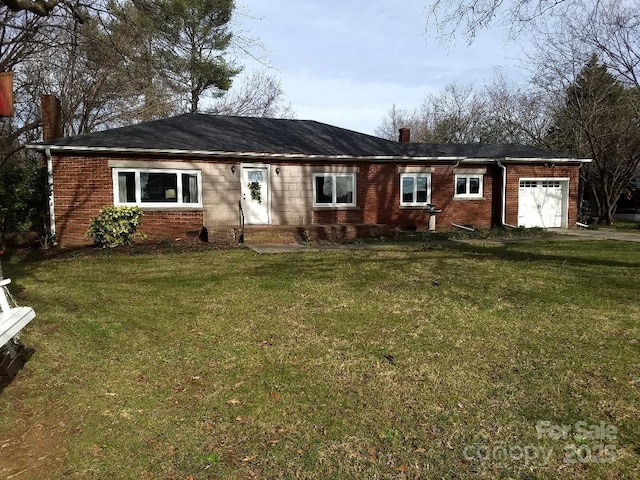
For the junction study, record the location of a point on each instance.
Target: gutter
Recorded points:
(239, 155)
(546, 160)
(289, 156)
(52, 213)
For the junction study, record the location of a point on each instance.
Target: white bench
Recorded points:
(12, 319)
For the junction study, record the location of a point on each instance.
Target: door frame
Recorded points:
(268, 183)
(564, 184)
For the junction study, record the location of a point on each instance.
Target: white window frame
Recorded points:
(165, 205)
(415, 176)
(468, 177)
(334, 203)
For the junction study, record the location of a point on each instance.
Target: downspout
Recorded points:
(580, 199)
(52, 213)
(503, 199)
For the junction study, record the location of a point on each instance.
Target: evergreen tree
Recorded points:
(193, 37)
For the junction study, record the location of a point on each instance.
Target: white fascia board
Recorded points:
(546, 160)
(241, 155)
(291, 156)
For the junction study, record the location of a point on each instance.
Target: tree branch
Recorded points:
(40, 7)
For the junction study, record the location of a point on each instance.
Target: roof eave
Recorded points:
(291, 156)
(546, 160)
(234, 155)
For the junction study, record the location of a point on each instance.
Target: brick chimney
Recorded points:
(51, 117)
(405, 135)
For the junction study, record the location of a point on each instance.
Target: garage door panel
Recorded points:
(540, 203)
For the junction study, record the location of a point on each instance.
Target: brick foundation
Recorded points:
(159, 225)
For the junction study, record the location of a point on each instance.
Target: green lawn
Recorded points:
(410, 362)
(622, 225)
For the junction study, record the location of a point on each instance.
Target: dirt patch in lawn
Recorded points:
(33, 448)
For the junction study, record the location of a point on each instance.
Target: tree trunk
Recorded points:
(606, 209)
(194, 102)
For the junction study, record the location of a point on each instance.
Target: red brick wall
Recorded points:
(515, 172)
(378, 201)
(83, 185)
(476, 212)
(328, 216)
(157, 224)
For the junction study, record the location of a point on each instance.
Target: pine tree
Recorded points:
(193, 37)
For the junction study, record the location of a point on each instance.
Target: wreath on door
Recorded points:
(256, 193)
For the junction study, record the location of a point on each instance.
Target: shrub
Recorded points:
(115, 226)
(23, 199)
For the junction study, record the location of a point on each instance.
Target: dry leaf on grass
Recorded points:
(275, 395)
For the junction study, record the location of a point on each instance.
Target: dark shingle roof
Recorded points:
(478, 150)
(220, 133)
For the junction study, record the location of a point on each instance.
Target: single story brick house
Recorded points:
(293, 177)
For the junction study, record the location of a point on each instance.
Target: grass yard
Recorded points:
(622, 225)
(413, 361)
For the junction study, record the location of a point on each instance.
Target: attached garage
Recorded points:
(543, 202)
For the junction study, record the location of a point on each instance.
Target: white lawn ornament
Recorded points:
(12, 318)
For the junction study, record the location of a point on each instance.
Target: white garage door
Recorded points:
(541, 203)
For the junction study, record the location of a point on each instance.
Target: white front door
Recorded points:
(541, 203)
(256, 198)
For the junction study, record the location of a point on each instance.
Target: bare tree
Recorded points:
(611, 29)
(471, 16)
(459, 114)
(599, 119)
(22, 34)
(260, 95)
(521, 113)
(398, 118)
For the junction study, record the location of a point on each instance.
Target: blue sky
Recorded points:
(347, 62)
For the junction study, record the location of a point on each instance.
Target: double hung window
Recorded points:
(415, 189)
(468, 186)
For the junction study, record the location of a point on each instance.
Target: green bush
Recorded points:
(115, 226)
(23, 199)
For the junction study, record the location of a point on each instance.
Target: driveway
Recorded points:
(588, 234)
